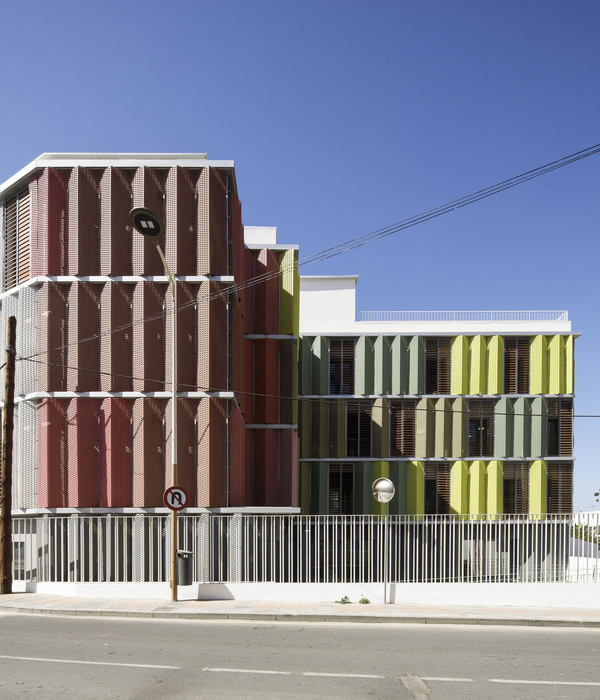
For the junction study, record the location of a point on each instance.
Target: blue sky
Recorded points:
(344, 117)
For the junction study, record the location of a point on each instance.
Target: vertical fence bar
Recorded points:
(306, 549)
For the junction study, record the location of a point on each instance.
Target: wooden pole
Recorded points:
(6, 558)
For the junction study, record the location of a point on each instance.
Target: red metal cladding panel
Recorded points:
(115, 229)
(219, 234)
(249, 382)
(260, 382)
(272, 293)
(247, 292)
(51, 336)
(249, 466)
(238, 479)
(83, 436)
(212, 454)
(186, 337)
(237, 353)
(115, 454)
(115, 337)
(288, 468)
(148, 186)
(83, 327)
(83, 242)
(186, 446)
(236, 235)
(212, 337)
(48, 217)
(148, 331)
(212, 243)
(181, 220)
(148, 446)
(203, 223)
(51, 453)
(266, 307)
(272, 374)
(266, 467)
(219, 349)
(266, 382)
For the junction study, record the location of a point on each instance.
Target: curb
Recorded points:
(302, 617)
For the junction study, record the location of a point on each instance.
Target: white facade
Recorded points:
(328, 307)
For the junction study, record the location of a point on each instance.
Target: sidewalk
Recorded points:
(35, 603)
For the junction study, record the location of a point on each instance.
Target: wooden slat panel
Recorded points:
(358, 431)
(341, 366)
(481, 428)
(10, 244)
(437, 488)
(516, 365)
(403, 428)
(438, 369)
(341, 489)
(566, 427)
(560, 487)
(515, 487)
(23, 238)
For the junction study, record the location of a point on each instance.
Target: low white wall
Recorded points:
(560, 595)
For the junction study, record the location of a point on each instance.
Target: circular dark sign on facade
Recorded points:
(146, 222)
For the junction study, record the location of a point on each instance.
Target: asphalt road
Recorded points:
(69, 657)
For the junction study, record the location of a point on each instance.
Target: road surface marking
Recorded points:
(342, 675)
(504, 680)
(447, 680)
(90, 663)
(247, 670)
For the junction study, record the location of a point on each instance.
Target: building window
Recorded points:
(16, 240)
(516, 365)
(402, 428)
(560, 427)
(358, 429)
(515, 497)
(341, 489)
(560, 487)
(341, 366)
(437, 488)
(481, 428)
(437, 365)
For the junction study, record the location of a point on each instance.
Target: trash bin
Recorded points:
(184, 568)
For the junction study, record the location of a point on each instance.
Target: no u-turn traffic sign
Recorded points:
(175, 498)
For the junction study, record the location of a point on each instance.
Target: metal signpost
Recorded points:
(383, 492)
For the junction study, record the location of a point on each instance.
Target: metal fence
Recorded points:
(310, 549)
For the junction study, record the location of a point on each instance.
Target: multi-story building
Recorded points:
(465, 412)
(94, 326)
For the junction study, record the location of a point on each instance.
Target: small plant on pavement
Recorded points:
(344, 601)
(364, 601)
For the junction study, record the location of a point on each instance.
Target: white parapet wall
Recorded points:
(559, 595)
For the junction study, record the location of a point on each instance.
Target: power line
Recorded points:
(369, 237)
(326, 400)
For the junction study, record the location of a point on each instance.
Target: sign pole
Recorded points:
(149, 224)
(385, 553)
(383, 492)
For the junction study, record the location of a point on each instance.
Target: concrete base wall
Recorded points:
(563, 595)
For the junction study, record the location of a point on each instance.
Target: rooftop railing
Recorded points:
(460, 316)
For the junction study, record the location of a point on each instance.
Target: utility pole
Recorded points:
(6, 559)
